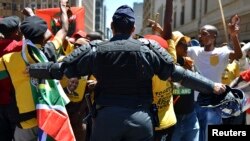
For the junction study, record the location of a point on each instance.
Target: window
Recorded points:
(205, 7)
(98, 4)
(14, 7)
(193, 9)
(174, 19)
(97, 26)
(97, 11)
(33, 5)
(97, 18)
(182, 14)
(18, 6)
(4, 5)
(1, 6)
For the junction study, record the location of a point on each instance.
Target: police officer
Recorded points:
(124, 68)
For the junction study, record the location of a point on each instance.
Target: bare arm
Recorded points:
(233, 27)
(62, 33)
(167, 27)
(166, 31)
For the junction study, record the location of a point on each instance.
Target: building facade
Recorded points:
(190, 15)
(100, 17)
(138, 9)
(89, 6)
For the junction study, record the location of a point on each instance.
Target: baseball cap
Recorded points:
(194, 42)
(33, 27)
(158, 39)
(177, 36)
(124, 14)
(9, 24)
(79, 34)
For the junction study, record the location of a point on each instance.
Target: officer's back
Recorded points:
(123, 95)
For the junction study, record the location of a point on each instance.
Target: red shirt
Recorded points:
(7, 46)
(246, 76)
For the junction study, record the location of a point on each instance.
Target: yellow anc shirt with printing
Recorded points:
(80, 90)
(14, 65)
(231, 72)
(163, 96)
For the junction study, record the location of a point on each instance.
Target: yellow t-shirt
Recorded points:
(162, 95)
(14, 64)
(230, 73)
(22, 84)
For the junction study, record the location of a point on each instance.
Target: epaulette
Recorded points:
(156, 48)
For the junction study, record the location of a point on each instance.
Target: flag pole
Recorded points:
(223, 21)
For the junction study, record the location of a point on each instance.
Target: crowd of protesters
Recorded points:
(162, 86)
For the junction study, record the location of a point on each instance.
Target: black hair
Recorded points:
(94, 35)
(123, 27)
(36, 40)
(211, 29)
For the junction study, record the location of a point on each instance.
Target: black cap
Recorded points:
(33, 27)
(9, 24)
(124, 14)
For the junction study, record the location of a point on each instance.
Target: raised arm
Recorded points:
(64, 8)
(233, 27)
(167, 27)
(166, 31)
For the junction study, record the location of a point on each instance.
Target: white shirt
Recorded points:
(210, 64)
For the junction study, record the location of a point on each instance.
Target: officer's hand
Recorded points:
(219, 88)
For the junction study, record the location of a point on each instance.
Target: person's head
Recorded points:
(123, 20)
(73, 83)
(79, 34)
(94, 36)
(35, 29)
(9, 27)
(180, 42)
(207, 35)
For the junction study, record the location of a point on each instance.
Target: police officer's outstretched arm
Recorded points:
(186, 77)
(196, 81)
(74, 65)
